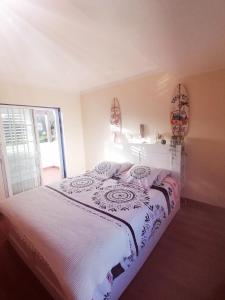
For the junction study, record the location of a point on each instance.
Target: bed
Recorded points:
(84, 242)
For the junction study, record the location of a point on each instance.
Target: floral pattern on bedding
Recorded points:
(78, 184)
(120, 197)
(156, 213)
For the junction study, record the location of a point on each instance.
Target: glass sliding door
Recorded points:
(21, 148)
(49, 144)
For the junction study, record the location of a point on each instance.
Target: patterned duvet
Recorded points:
(89, 230)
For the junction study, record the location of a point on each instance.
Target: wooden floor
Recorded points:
(187, 264)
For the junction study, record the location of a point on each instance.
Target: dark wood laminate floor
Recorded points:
(187, 264)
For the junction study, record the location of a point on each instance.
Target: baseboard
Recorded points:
(187, 202)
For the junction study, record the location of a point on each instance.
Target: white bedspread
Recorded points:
(84, 233)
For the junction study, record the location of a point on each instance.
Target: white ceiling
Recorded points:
(79, 44)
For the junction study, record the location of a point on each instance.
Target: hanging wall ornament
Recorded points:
(116, 124)
(179, 117)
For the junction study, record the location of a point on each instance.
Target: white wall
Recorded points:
(71, 113)
(144, 100)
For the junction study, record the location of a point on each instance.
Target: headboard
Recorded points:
(155, 155)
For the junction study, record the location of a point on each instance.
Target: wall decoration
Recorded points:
(179, 117)
(142, 131)
(116, 123)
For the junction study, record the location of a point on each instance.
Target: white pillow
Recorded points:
(124, 167)
(105, 170)
(141, 175)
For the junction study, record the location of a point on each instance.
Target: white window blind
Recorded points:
(21, 148)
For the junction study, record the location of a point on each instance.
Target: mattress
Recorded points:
(82, 240)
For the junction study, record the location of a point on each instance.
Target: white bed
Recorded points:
(156, 155)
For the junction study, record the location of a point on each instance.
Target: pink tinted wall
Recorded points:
(146, 100)
(205, 143)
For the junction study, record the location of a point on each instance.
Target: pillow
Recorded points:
(141, 175)
(161, 176)
(124, 167)
(105, 170)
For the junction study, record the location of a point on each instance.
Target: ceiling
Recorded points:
(79, 44)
